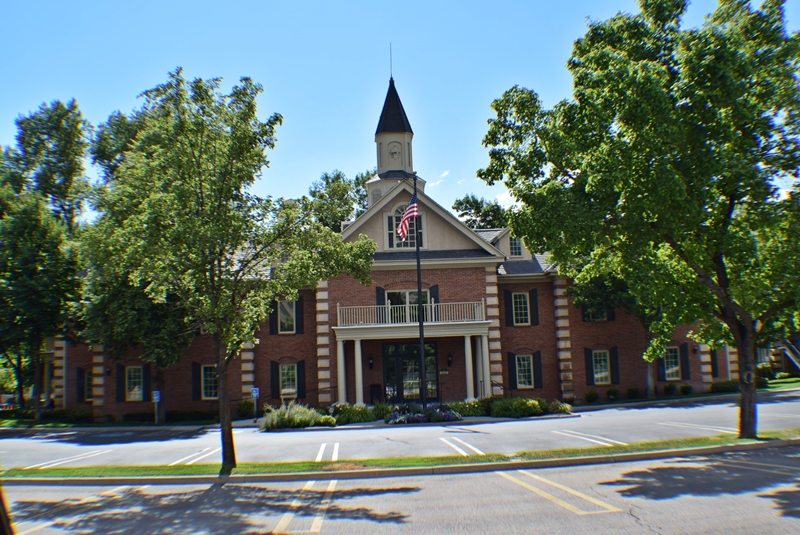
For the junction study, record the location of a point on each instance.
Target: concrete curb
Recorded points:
(399, 472)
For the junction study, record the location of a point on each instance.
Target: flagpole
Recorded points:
(423, 382)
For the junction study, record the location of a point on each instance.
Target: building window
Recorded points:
(88, 387)
(602, 374)
(286, 323)
(521, 310)
(208, 379)
(403, 306)
(394, 239)
(516, 246)
(597, 315)
(134, 381)
(288, 378)
(524, 371)
(672, 364)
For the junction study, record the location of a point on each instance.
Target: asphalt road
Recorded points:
(742, 493)
(602, 427)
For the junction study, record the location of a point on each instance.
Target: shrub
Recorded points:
(544, 405)
(686, 389)
(348, 414)
(138, 417)
(381, 411)
(559, 407)
(612, 393)
(192, 415)
(762, 382)
(515, 408)
(724, 387)
(632, 392)
(325, 420)
(74, 416)
(764, 370)
(591, 395)
(569, 400)
(404, 414)
(478, 407)
(669, 389)
(782, 375)
(291, 416)
(245, 408)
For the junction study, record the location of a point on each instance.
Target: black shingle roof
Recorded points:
(520, 267)
(432, 255)
(393, 117)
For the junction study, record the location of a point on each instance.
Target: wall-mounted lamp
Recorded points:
(694, 349)
(370, 362)
(449, 359)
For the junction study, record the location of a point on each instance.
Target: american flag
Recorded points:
(411, 211)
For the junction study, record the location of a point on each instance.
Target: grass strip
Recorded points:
(392, 462)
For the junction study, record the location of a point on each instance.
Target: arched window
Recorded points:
(393, 238)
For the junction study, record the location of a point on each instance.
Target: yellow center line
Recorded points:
(287, 517)
(550, 497)
(595, 501)
(326, 502)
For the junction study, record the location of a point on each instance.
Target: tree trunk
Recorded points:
(20, 382)
(748, 378)
(226, 428)
(36, 359)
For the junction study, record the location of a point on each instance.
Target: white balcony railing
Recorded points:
(400, 314)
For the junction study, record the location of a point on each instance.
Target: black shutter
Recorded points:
(611, 315)
(146, 382)
(120, 370)
(537, 369)
(380, 296)
(273, 318)
(301, 379)
(714, 364)
(512, 371)
(196, 381)
(419, 230)
(80, 385)
(686, 373)
(662, 370)
(614, 364)
(589, 366)
(585, 313)
(298, 316)
(534, 306)
(509, 308)
(434, 293)
(274, 380)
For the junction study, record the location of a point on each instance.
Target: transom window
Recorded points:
(134, 383)
(521, 309)
(524, 371)
(602, 374)
(286, 320)
(288, 379)
(393, 238)
(516, 246)
(208, 379)
(672, 364)
(88, 387)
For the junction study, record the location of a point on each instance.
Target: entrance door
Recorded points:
(401, 372)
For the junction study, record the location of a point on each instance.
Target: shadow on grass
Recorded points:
(728, 474)
(217, 510)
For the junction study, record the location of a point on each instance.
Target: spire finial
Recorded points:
(390, 60)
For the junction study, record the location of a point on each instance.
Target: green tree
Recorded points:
(338, 198)
(182, 220)
(662, 170)
(479, 213)
(360, 185)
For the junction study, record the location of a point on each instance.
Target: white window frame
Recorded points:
(282, 312)
(131, 392)
(527, 320)
(523, 362)
(514, 243)
(88, 385)
(284, 372)
(397, 244)
(672, 364)
(204, 376)
(601, 359)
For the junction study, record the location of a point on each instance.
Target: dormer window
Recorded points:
(516, 246)
(394, 241)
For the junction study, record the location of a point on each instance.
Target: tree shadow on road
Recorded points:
(764, 398)
(734, 473)
(217, 510)
(105, 437)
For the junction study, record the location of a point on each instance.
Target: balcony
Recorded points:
(349, 316)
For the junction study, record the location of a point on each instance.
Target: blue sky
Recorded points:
(324, 67)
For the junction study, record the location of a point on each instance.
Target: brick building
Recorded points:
(497, 321)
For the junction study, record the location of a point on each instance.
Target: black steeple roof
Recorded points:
(393, 116)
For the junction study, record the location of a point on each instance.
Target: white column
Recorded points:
(468, 359)
(487, 372)
(340, 373)
(359, 376)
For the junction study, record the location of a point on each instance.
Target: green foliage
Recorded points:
(591, 396)
(724, 387)
(478, 407)
(686, 389)
(381, 411)
(516, 408)
(349, 414)
(669, 389)
(480, 213)
(559, 407)
(612, 393)
(325, 420)
(292, 416)
(245, 408)
(73, 416)
(190, 415)
(632, 392)
(783, 375)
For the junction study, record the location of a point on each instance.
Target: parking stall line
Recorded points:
(473, 448)
(459, 450)
(321, 452)
(65, 460)
(724, 430)
(587, 439)
(179, 461)
(604, 439)
(335, 456)
(316, 526)
(203, 456)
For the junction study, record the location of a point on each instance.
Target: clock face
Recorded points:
(394, 151)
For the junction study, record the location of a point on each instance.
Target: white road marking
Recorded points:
(578, 434)
(88, 499)
(179, 461)
(587, 439)
(459, 450)
(203, 456)
(287, 517)
(65, 460)
(761, 414)
(727, 430)
(316, 526)
(473, 448)
(321, 452)
(335, 456)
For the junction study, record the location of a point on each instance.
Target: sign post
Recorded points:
(255, 392)
(156, 399)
